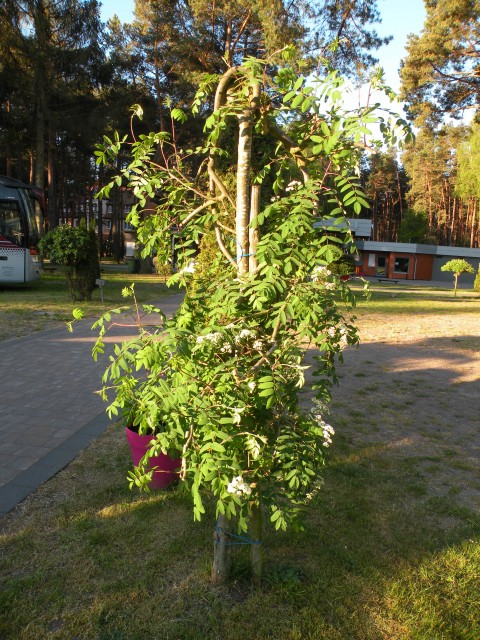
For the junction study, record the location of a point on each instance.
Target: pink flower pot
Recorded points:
(166, 468)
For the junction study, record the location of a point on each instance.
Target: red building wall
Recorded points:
(398, 266)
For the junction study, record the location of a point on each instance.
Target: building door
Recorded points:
(381, 265)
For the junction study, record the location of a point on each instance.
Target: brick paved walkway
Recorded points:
(49, 410)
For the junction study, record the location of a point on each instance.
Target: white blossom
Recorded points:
(328, 432)
(189, 268)
(239, 487)
(258, 344)
(213, 337)
(244, 334)
(320, 272)
(293, 185)
(252, 386)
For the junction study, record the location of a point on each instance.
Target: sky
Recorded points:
(399, 18)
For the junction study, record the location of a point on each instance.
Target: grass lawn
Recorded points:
(390, 549)
(46, 302)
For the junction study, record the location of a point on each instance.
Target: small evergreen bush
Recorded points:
(75, 248)
(344, 266)
(476, 284)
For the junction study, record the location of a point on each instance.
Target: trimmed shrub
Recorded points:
(74, 248)
(476, 284)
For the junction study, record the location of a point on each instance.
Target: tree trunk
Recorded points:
(39, 153)
(246, 240)
(41, 85)
(253, 230)
(222, 557)
(243, 190)
(52, 205)
(256, 551)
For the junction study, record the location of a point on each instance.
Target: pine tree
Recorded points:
(441, 68)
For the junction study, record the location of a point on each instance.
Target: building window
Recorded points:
(401, 265)
(127, 226)
(371, 259)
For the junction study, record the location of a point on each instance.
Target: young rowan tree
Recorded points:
(225, 378)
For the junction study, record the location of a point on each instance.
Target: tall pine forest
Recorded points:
(67, 79)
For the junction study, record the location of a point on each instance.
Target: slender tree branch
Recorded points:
(218, 182)
(225, 228)
(223, 86)
(239, 35)
(291, 145)
(223, 248)
(191, 215)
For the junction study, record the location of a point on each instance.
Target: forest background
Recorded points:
(67, 78)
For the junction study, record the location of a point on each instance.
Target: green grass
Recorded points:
(395, 299)
(46, 302)
(390, 549)
(374, 561)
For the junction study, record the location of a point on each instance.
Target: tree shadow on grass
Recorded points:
(372, 563)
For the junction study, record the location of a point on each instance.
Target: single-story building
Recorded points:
(401, 260)
(408, 261)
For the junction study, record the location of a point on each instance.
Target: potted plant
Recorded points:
(156, 464)
(163, 468)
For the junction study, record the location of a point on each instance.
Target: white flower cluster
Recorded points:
(293, 185)
(328, 430)
(321, 272)
(343, 338)
(189, 268)
(239, 487)
(244, 334)
(341, 334)
(214, 337)
(328, 433)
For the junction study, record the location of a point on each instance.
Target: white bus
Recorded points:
(20, 232)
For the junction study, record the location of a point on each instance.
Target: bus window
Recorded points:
(33, 232)
(12, 222)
